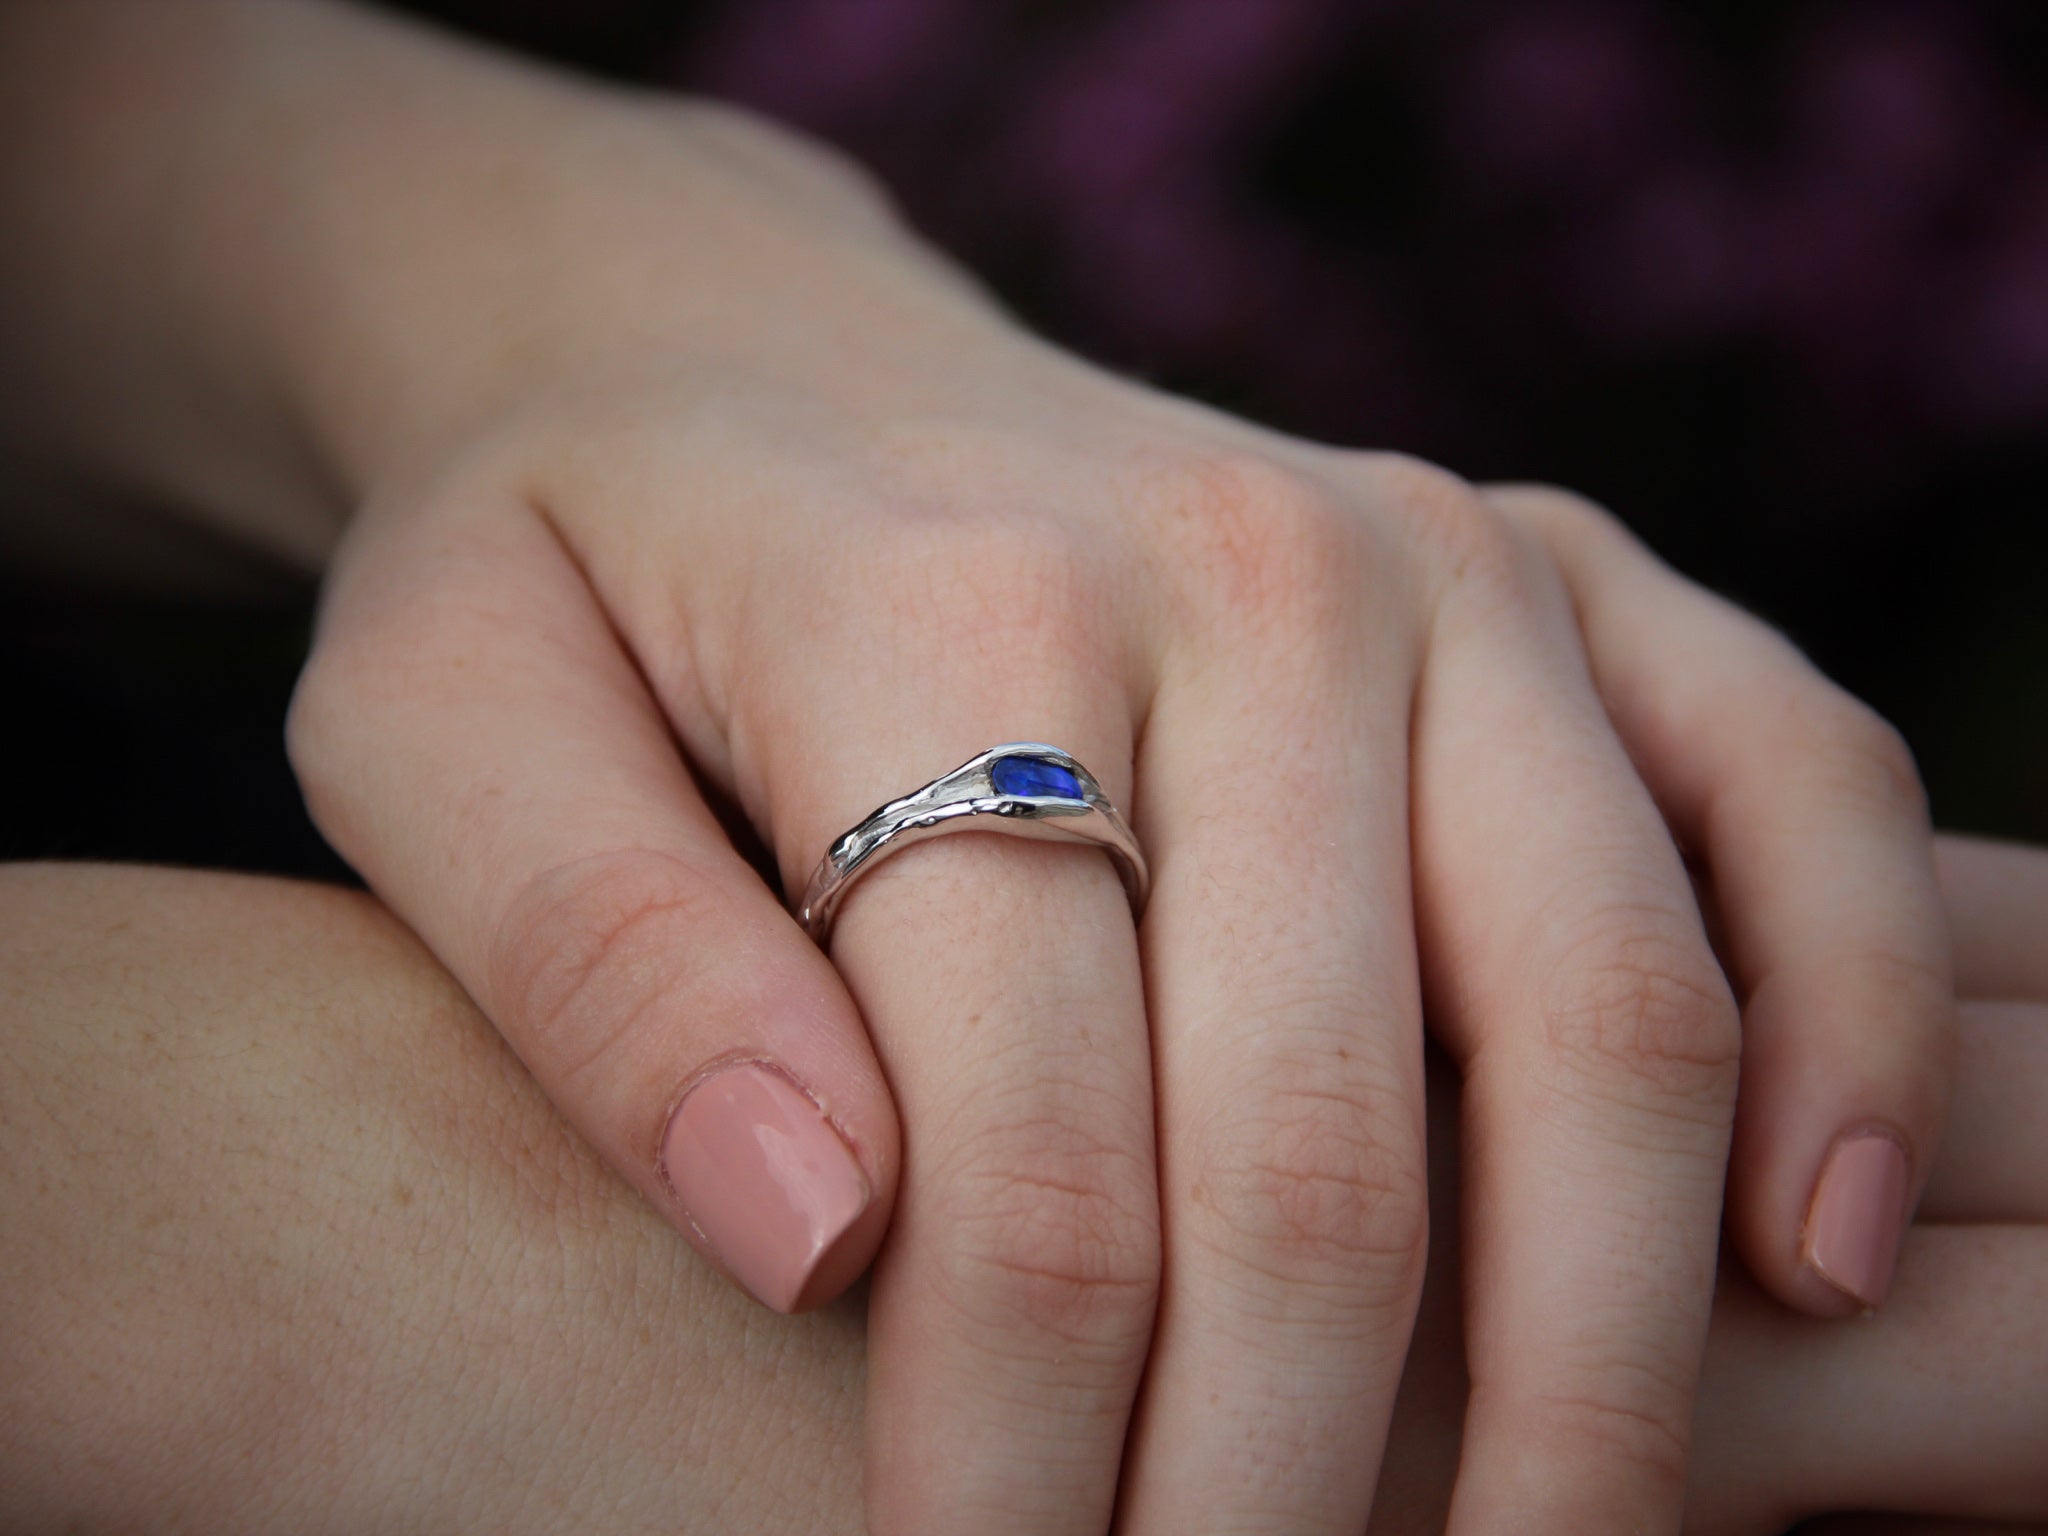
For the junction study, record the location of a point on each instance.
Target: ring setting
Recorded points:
(1025, 788)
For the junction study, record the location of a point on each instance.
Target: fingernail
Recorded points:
(763, 1176)
(1857, 1217)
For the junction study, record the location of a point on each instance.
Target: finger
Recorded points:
(1754, 1409)
(1994, 1159)
(1010, 1314)
(1567, 971)
(1997, 900)
(472, 739)
(1749, 1452)
(1809, 815)
(1938, 1404)
(1287, 1028)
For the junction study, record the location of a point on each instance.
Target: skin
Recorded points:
(669, 490)
(295, 1242)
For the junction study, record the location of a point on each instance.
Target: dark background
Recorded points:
(1769, 279)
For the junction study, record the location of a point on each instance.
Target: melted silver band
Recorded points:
(993, 792)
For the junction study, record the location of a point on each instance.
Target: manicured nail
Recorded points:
(1857, 1217)
(764, 1178)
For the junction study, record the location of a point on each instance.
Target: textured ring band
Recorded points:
(1025, 787)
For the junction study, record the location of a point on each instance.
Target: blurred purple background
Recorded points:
(1770, 279)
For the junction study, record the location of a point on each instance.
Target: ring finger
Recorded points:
(999, 979)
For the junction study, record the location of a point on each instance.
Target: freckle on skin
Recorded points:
(401, 1194)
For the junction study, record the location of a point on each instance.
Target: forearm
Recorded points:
(260, 251)
(292, 1242)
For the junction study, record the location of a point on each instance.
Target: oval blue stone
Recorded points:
(1033, 776)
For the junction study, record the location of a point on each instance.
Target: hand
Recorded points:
(832, 580)
(295, 1243)
(663, 432)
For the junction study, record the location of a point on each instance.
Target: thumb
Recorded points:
(471, 736)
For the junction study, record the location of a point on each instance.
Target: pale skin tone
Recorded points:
(296, 1243)
(651, 458)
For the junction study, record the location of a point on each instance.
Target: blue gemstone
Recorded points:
(1033, 776)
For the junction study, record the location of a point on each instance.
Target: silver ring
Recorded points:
(1026, 787)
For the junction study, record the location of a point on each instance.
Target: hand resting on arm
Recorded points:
(657, 467)
(294, 1242)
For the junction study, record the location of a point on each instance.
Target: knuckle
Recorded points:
(588, 951)
(995, 589)
(824, 174)
(1640, 1447)
(1055, 1234)
(1553, 509)
(372, 672)
(316, 712)
(1861, 756)
(1902, 983)
(1636, 1002)
(346, 675)
(1256, 542)
(1307, 1192)
(1460, 533)
(1906, 1053)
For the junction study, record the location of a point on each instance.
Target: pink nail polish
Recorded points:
(1857, 1217)
(764, 1178)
